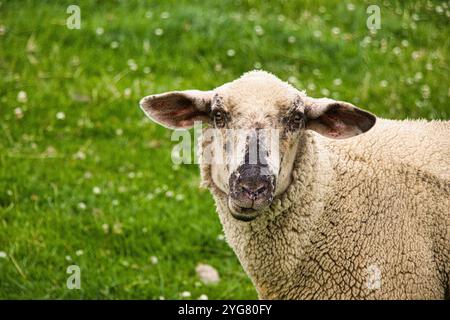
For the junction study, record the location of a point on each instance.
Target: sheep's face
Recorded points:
(255, 124)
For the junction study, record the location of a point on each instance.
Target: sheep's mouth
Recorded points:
(241, 213)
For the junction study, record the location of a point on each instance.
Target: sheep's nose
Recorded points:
(252, 186)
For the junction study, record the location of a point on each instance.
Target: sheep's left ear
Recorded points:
(336, 119)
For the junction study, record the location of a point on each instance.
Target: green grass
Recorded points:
(49, 167)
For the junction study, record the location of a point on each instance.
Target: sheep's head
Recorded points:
(258, 121)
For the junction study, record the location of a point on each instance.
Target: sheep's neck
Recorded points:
(268, 246)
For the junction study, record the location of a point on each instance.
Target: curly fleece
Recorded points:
(364, 218)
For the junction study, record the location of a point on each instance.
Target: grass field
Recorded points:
(86, 180)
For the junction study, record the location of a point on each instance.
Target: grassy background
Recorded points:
(86, 180)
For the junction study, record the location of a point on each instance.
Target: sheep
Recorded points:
(357, 207)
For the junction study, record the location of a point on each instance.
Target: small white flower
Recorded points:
(207, 274)
(203, 297)
(337, 82)
(350, 6)
(418, 76)
(149, 14)
(231, 52)
(3, 254)
(22, 97)
(147, 70)
(221, 237)
(185, 294)
(114, 45)
(117, 228)
(169, 194)
(68, 258)
(161, 298)
(335, 30)
(96, 190)
(18, 113)
(415, 55)
(80, 155)
(317, 33)
(259, 30)
(419, 103)
(99, 31)
(79, 252)
(405, 43)
(396, 51)
(325, 91)
(365, 42)
(132, 65)
(292, 80)
(311, 86)
(105, 227)
(383, 83)
(82, 206)
(165, 15)
(87, 175)
(292, 39)
(159, 32)
(179, 197)
(127, 92)
(154, 260)
(60, 115)
(425, 91)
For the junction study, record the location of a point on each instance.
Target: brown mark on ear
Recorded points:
(178, 109)
(336, 119)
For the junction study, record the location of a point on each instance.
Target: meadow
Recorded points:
(87, 180)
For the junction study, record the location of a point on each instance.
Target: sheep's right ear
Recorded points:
(178, 109)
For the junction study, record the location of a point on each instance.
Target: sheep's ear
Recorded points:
(336, 119)
(178, 109)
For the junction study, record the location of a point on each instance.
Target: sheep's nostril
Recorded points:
(261, 189)
(253, 192)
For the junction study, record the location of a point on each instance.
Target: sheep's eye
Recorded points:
(298, 118)
(219, 118)
(296, 121)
